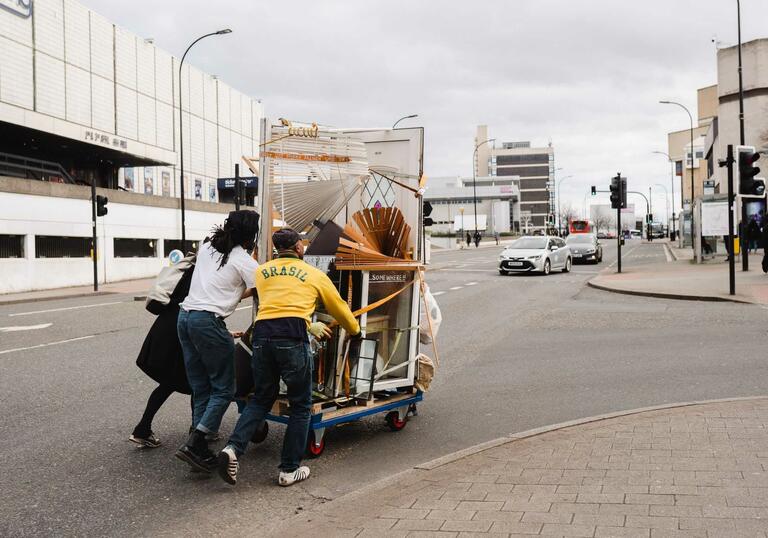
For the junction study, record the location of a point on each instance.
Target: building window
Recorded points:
(11, 246)
(53, 246)
(175, 244)
(540, 158)
(135, 248)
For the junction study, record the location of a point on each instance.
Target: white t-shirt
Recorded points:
(215, 289)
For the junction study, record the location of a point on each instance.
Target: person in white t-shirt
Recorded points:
(224, 273)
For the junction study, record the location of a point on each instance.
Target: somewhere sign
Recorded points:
(250, 182)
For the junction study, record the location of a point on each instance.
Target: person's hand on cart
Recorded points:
(236, 334)
(320, 330)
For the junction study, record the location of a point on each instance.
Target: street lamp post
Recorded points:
(181, 137)
(560, 204)
(405, 118)
(693, 246)
(474, 178)
(672, 186)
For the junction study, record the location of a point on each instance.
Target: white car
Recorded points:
(542, 254)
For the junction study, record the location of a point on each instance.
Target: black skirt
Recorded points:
(161, 357)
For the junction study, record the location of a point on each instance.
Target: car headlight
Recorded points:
(590, 251)
(534, 257)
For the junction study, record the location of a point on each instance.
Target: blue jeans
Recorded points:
(209, 358)
(290, 360)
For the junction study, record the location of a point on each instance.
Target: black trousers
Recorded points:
(154, 403)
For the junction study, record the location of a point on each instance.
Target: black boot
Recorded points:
(196, 453)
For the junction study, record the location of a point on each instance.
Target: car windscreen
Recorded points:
(529, 243)
(580, 238)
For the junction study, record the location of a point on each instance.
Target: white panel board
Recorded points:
(224, 151)
(223, 94)
(245, 116)
(165, 125)
(147, 126)
(103, 104)
(102, 47)
(76, 34)
(235, 150)
(209, 97)
(211, 150)
(164, 77)
(235, 116)
(78, 95)
(50, 86)
(196, 92)
(714, 219)
(197, 146)
(126, 106)
(15, 73)
(145, 61)
(16, 27)
(49, 27)
(125, 58)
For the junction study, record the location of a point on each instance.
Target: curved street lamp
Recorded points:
(474, 177)
(405, 118)
(181, 137)
(693, 246)
(671, 185)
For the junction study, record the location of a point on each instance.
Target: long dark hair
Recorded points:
(240, 229)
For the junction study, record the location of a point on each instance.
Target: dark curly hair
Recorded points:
(240, 229)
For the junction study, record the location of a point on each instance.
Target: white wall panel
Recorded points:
(224, 151)
(77, 30)
(16, 28)
(235, 149)
(49, 27)
(78, 95)
(245, 116)
(102, 47)
(223, 104)
(235, 104)
(50, 86)
(196, 92)
(211, 150)
(147, 127)
(126, 108)
(103, 104)
(209, 97)
(16, 86)
(125, 61)
(165, 125)
(145, 59)
(164, 77)
(197, 146)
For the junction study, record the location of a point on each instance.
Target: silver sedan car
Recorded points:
(542, 254)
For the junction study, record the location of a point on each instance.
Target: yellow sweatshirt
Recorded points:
(289, 288)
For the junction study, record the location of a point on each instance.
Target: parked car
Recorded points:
(585, 247)
(602, 235)
(636, 234)
(541, 254)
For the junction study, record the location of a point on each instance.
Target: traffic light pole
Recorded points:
(731, 200)
(237, 187)
(618, 223)
(94, 250)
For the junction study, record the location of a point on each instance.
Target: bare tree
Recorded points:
(567, 214)
(602, 221)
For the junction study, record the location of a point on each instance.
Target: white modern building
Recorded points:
(83, 100)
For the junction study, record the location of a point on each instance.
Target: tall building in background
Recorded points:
(534, 166)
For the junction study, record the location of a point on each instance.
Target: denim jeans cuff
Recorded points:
(203, 429)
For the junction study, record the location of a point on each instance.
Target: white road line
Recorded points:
(471, 284)
(455, 288)
(25, 328)
(63, 309)
(46, 345)
(243, 308)
(437, 293)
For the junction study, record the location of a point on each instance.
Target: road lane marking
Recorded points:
(243, 308)
(24, 328)
(46, 345)
(455, 288)
(438, 293)
(63, 309)
(471, 284)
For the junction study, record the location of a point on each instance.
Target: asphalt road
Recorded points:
(517, 352)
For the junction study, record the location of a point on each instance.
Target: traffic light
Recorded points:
(749, 185)
(101, 205)
(649, 218)
(623, 192)
(615, 192)
(551, 219)
(594, 190)
(427, 211)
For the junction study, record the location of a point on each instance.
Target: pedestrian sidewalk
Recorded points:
(128, 286)
(696, 470)
(684, 280)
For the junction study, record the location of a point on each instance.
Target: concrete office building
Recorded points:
(534, 166)
(83, 100)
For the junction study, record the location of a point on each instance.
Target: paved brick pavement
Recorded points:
(693, 471)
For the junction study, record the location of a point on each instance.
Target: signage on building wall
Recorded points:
(709, 187)
(21, 8)
(250, 182)
(104, 139)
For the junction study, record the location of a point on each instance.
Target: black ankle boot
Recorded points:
(196, 453)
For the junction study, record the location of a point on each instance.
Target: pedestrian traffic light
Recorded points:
(426, 212)
(101, 205)
(749, 185)
(594, 190)
(615, 192)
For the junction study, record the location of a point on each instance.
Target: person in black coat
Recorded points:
(161, 359)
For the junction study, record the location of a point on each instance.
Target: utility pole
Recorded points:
(743, 241)
(94, 250)
(731, 201)
(237, 187)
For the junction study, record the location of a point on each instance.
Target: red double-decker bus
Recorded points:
(580, 227)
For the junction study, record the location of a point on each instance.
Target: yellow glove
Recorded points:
(319, 330)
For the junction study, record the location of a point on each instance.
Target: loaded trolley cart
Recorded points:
(355, 196)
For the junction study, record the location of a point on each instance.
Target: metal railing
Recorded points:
(29, 167)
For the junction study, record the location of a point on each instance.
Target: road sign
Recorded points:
(251, 183)
(175, 256)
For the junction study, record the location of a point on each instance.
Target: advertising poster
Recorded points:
(128, 179)
(211, 191)
(166, 183)
(198, 189)
(149, 180)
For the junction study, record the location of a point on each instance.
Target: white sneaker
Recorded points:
(288, 479)
(228, 465)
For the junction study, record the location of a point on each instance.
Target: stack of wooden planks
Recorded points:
(379, 236)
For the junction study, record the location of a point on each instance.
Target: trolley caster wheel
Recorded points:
(314, 450)
(394, 421)
(260, 434)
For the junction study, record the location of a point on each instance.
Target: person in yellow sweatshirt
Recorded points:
(288, 289)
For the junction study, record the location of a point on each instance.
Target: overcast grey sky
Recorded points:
(586, 75)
